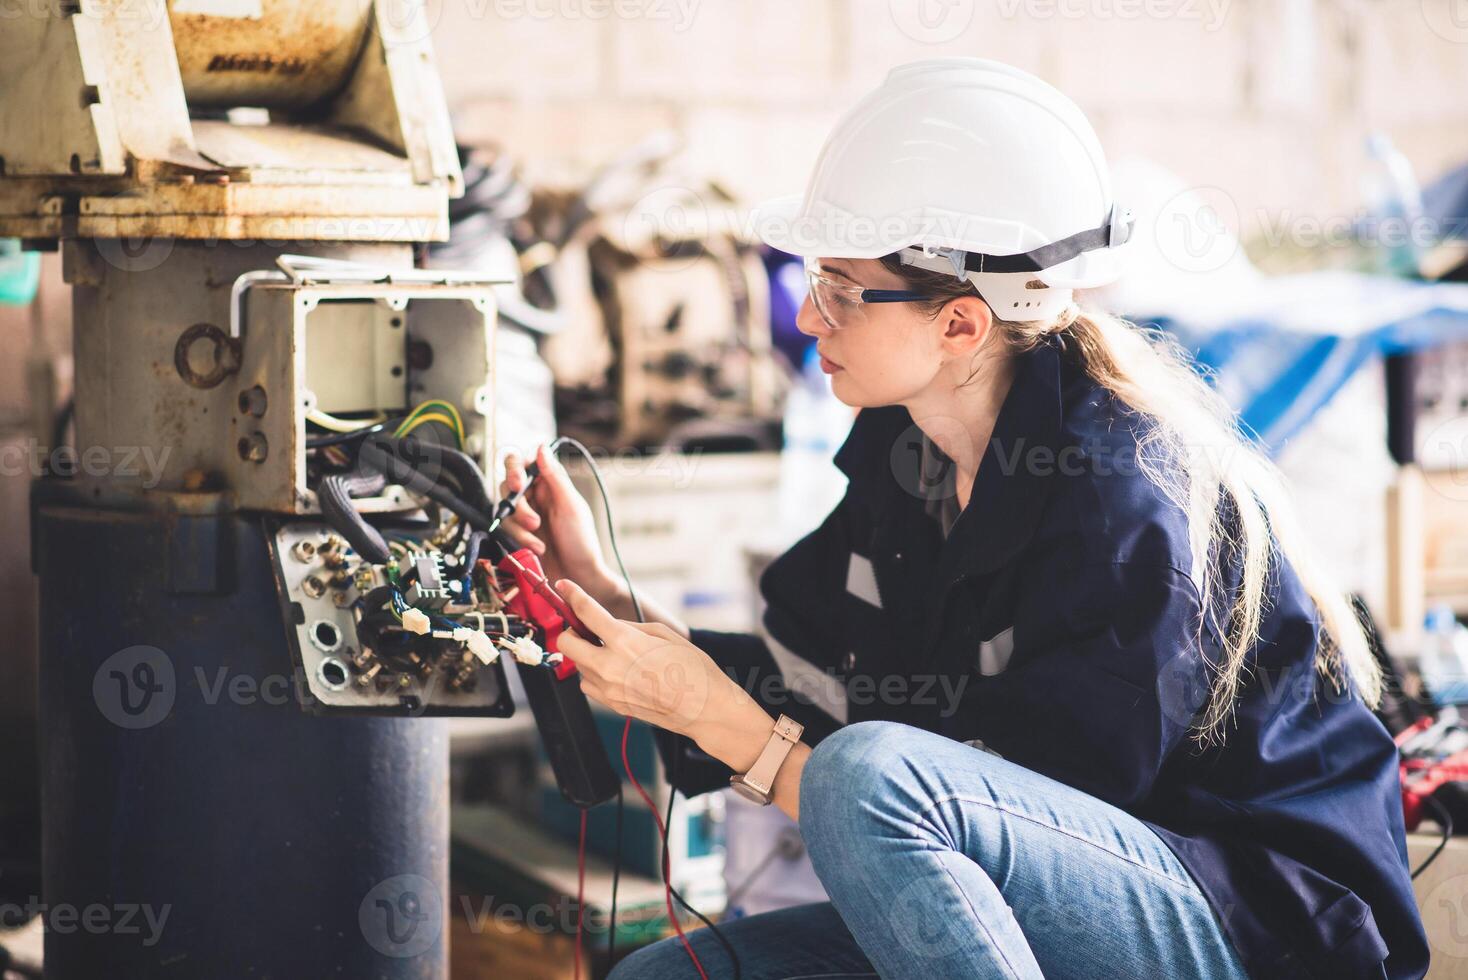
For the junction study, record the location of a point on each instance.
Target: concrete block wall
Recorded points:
(1268, 99)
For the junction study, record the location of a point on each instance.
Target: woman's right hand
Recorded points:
(555, 522)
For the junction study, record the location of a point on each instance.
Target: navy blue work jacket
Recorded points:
(1064, 606)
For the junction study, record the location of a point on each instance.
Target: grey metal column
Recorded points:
(197, 823)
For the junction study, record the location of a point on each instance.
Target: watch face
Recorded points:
(748, 792)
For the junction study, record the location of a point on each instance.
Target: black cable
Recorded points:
(616, 879)
(667, 869)
(677, 753)
(460, 466)
(334, 494)
(62, 423)
(606, 506)
(384, 455)
(336, 438)
(473, 548)
(1445, 820)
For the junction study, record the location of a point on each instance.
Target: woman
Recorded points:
(1105, 717)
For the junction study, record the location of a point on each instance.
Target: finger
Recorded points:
(589, 611)
(514, 474)
(592, 692)
(575, 646)
(526, 515)
(659, 630)
(553, 476)
(522, 537)
(600, 697)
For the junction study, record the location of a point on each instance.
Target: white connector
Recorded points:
(415, 621)
(478, 643)
(525, 650)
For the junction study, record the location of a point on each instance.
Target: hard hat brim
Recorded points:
(793, 225)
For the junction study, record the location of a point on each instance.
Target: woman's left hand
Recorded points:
(648, 671)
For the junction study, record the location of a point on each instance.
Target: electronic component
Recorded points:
(428, 588)
(412, 664)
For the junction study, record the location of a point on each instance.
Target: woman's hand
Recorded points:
(555, 522)
(650, 672)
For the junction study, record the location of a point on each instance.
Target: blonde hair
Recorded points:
(1194, 453)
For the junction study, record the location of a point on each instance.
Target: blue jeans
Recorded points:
(942, 860)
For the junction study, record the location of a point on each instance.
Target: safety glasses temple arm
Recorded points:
(893, 296)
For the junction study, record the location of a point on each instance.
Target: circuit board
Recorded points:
(323, 588)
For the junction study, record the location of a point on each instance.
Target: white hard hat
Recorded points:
(966, 166)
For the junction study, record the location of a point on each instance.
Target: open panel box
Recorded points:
(358, 350)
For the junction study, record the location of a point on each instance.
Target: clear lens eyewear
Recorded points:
(842, 304)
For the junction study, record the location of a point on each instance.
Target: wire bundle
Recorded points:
(448, 477)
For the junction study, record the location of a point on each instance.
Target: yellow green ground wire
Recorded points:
(433, 410)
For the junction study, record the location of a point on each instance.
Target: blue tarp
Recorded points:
(1281, 362)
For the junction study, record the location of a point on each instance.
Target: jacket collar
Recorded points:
(882, 460)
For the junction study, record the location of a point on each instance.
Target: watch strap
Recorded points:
(761, 776)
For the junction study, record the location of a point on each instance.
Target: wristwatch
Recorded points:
(757, 784)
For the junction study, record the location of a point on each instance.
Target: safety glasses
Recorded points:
(841, 303)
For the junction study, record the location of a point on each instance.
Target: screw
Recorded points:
(253, 401)
(253, 448)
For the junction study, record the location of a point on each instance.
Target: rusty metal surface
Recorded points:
(137, 315)
(338, 211)
(220, 359)
(360, 111)
(293, 56)
(130, 307)
(284, 153)
(458, 321)
(139, 87)
(45, 127)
